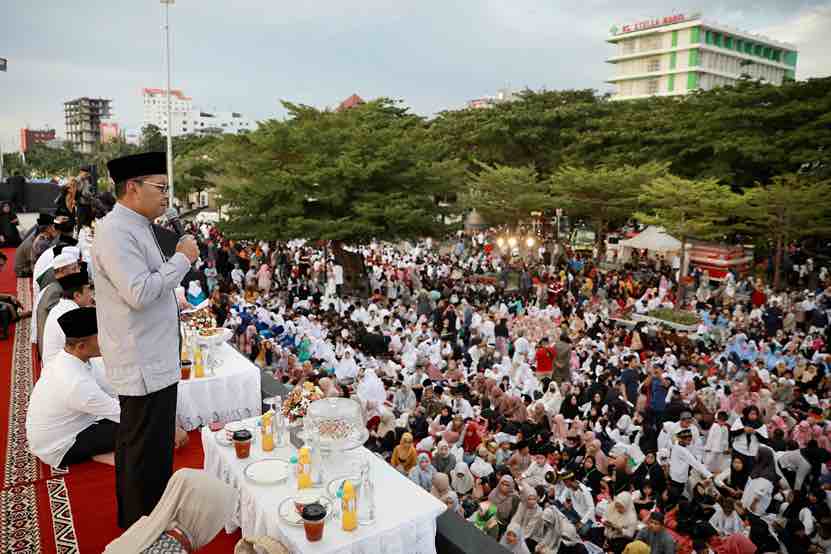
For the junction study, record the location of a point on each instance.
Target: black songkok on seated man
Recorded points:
(79, 324)
(74, 281)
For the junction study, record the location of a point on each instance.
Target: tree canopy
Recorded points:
(350, 175)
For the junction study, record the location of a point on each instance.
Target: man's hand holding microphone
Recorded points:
(187, 246)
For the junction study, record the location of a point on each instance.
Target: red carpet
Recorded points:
(53, 512)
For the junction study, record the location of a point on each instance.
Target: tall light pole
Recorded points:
(167, 4)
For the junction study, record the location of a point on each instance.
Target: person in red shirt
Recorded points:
(545, 358)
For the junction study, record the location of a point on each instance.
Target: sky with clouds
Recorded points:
(247, 55)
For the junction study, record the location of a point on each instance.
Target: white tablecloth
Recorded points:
(405, 513)
(232, 394)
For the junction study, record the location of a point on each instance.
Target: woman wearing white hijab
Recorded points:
(195, 506)
(514, 540)
(557, 531)
(195, 296)
(529, 516)
(461, 479)
(346, 368)
(621, 522)
(552, 399)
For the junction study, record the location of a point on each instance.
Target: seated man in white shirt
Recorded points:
(77, 293)
(70, 419)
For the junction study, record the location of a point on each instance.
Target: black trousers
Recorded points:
(144, 452)
(98, 438)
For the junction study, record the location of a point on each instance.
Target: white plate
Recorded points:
(269, 471)
(288, 513)
(222, 438)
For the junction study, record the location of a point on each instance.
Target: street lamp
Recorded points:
(530, 242)
(167, 4)
(512, 242)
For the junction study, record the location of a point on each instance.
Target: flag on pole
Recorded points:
(3, 64)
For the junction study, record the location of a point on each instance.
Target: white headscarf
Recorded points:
(629, 518)
(520, 547)
(193, 501)
(461, 479)
(194, 288)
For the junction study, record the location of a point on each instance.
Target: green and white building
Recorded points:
(680, 53)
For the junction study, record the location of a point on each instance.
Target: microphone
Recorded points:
(172, 217)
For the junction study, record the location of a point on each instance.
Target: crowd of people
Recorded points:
(518, 392)
(516, 389)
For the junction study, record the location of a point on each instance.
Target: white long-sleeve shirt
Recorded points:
(535, 474)
(792, 460)
(680, 461)
(65, 401)
(726, 525)
(54, 338)
(759, 490)
(581, 501)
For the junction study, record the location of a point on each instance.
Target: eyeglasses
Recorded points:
(161, 187)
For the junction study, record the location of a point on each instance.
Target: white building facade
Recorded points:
(187, 120)
(678, 54)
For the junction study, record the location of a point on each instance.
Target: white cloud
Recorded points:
(809, 31)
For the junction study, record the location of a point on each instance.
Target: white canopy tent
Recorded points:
(653, 238)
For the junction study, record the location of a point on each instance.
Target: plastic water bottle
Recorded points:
(293, 467)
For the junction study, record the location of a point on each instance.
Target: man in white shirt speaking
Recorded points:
(70, 419)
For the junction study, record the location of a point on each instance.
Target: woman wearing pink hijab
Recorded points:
(264, 279)
(558, 428)
(802, 433)
(601, 462)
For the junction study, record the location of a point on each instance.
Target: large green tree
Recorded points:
(350, 175)
(193, 165)
(687, 209)
(504, 194)
(152, 139)
(532, 130)
(45, 161)
(790, 207)
(739, 134)
(606, 195)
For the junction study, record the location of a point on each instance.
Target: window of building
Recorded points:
(777, 55)
(717, 39)
(757, 50)
(728, 42)
(652, 86)
(653, 64)
(708, 37)
(651, 43)
(739, 44)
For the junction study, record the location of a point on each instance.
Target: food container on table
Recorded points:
(338, 422)
(242, 443)
(186, 367)
(314, 520)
